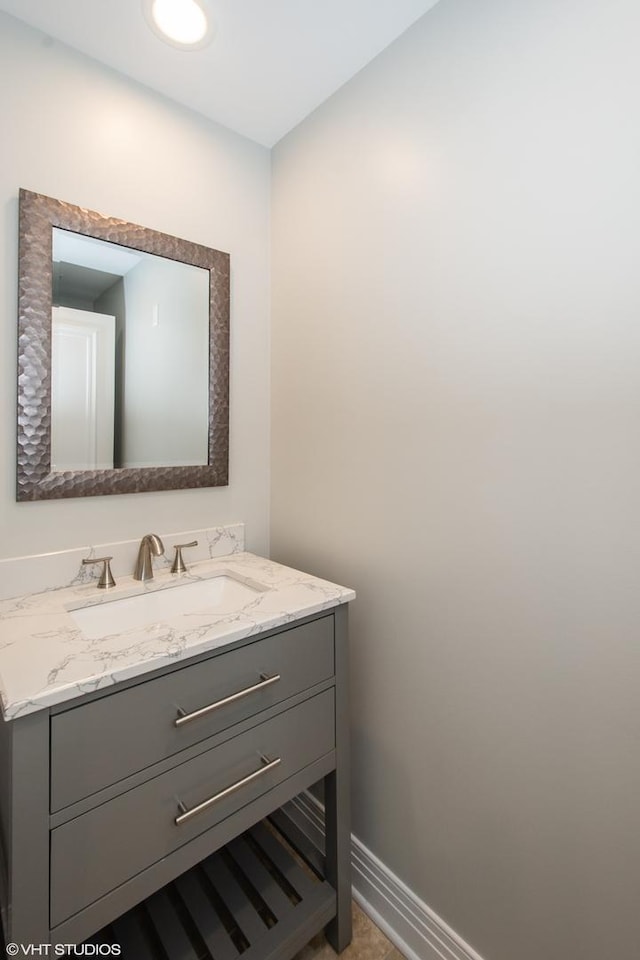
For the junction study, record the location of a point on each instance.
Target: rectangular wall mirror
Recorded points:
(123, 356)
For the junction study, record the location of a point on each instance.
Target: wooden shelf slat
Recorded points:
(188, 900)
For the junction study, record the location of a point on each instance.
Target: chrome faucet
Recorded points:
(151, 544)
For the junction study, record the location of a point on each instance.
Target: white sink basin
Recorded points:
(217, 595)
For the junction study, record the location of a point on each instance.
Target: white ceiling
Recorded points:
(270, 64)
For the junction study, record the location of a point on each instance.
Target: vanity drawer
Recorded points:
(100, 743)
(103, 848)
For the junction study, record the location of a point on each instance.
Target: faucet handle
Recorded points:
(106, 577)
(178, 562)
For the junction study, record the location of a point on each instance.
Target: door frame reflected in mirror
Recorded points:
(35, 479)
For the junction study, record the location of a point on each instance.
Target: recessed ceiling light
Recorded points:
(182, 23)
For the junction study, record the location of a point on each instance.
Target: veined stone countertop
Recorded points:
(46, 659)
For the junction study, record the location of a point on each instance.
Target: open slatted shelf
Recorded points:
(252, 899)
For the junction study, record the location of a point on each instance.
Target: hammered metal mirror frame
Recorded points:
(38, 216)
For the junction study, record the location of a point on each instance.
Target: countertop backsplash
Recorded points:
(64, 568)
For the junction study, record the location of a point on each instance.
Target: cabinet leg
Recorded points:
(337, 798)
(338, 858)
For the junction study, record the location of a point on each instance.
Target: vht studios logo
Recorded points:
(63, 950)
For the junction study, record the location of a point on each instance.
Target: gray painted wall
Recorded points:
(79, 132)
(456, 433)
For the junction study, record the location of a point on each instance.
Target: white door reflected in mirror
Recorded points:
(82, 389)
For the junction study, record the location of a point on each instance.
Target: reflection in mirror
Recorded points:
(136, 396)
(123, 356)
(83, 354)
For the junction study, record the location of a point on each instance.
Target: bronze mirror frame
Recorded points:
(35, 481)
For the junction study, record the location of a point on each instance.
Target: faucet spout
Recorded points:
(150, 545)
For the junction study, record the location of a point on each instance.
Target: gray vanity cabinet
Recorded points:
(108, 798)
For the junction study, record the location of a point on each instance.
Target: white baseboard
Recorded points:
(412, 927)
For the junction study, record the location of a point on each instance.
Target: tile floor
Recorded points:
(368, 943)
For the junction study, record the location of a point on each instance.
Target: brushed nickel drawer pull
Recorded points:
(186, 814)
(265, 681)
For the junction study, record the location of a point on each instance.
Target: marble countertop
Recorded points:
(46, 659)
